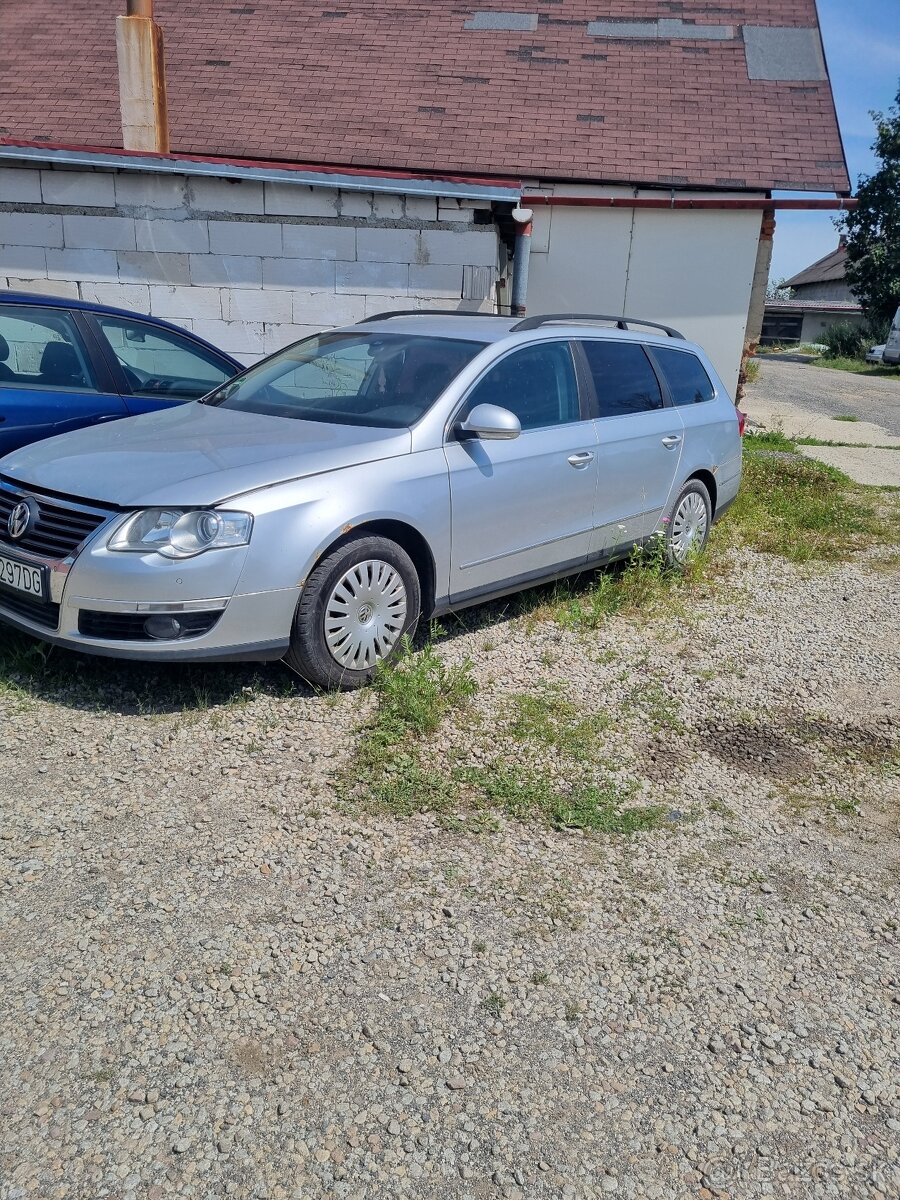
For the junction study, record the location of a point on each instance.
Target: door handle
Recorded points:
(671, 441)
(581, 459)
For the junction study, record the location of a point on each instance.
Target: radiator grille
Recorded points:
(60, 528)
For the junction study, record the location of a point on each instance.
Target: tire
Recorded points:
(688, 523)
(355, 608)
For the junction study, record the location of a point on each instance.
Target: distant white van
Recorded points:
(892, 345)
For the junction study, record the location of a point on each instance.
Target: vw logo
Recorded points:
(21, 519)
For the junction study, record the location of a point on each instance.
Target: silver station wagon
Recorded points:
(319, 505)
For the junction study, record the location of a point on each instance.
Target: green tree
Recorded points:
(779, 290)
(873, 229)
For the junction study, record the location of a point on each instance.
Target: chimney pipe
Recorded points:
(142, 79)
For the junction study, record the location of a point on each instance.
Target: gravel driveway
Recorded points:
(821, 390)
(220, 979)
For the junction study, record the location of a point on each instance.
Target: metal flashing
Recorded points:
(666, 28)
(783, 53)
(518, 22)
(461, 187)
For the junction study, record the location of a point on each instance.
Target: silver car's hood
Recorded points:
(193, 455)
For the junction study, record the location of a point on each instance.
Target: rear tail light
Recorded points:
(742, 421)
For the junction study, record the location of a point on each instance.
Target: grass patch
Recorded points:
(845, 417)
(641, 583)
(804, 510)
(770, 439)
(494, 1005)
(419, 694)
(416, 693)
(550, 719)
(774, 439)
(522, 794)
(655, 706)
(857, 367)
(810, 441)
(799, 804)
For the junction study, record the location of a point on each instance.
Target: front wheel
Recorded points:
(687, 527)
(356, 606)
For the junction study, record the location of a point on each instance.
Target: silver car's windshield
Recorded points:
(382, 379)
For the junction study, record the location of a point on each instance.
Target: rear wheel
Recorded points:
(687, 528)
(356, 606)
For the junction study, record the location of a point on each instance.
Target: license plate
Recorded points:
(22, 578)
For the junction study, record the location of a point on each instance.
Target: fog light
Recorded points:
(161, 628)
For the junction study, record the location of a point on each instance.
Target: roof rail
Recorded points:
(423, 312)
(578, 318)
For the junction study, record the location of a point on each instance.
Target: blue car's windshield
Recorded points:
(383, 379)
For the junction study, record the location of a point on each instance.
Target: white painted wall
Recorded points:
(815, 324)
(250, 266)
(691, 270)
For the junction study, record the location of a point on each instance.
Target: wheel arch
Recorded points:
(709, 482)
(407, 537)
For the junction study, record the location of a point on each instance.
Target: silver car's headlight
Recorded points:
(179, 534)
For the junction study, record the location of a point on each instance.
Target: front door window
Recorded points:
(158, 362)
(537, 384)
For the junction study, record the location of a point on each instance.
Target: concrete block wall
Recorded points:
(251, 266)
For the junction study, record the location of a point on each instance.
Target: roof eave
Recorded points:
(461, 187)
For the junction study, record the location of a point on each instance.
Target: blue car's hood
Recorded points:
(193, 455)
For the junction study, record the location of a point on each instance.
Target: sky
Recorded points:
(862, 47)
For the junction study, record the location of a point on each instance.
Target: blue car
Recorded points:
(67, 363)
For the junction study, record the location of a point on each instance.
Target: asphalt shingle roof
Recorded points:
(830, 269)
(645, 100)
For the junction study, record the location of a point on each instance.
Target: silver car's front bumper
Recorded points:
(234, 637)
(98, 601)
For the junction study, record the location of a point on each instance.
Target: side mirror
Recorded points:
(490, 423)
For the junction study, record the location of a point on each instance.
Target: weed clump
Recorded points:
(420, 693)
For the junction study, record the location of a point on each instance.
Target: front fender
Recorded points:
(296, 523)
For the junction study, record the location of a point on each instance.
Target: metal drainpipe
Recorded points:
(521, 254)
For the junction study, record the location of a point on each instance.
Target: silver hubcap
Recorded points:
(688, 525)
(365, 614)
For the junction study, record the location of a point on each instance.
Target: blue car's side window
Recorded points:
(40, 348)
(157, 362)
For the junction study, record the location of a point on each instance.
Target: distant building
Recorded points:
(821, 298)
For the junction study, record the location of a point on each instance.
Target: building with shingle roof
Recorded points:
(646, 136)
(820, 297)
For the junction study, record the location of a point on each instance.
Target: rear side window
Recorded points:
(687, 379)
(624, 380)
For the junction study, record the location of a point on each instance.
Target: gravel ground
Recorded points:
(220, 979)
(819, 390)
